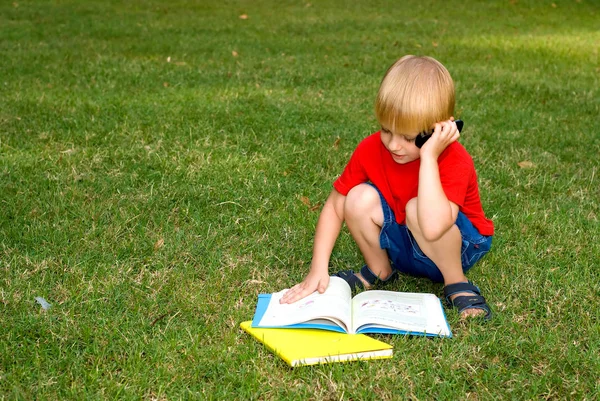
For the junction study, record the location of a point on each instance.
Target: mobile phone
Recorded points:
(424, 136)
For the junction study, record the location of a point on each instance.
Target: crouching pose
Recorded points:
(411, 207)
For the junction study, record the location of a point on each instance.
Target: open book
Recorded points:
(370, 311)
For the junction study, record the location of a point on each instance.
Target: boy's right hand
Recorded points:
(444, 133)
(313, 282)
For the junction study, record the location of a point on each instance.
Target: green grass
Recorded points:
(156, 159)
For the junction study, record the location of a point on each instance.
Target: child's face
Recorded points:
(401, 146)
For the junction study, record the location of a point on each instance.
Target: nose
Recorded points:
(395, 143)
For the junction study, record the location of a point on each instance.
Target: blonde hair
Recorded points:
(415, 93)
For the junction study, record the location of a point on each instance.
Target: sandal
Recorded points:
(355, 283)
(463, 302)
(349, 277)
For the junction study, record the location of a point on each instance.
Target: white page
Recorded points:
(402, 311)
(333, 304)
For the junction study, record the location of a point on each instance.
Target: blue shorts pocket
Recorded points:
(474, 245)
(473, 250)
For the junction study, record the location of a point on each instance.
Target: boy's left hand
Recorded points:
(444, 134)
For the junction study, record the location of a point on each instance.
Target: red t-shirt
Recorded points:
(399, 183)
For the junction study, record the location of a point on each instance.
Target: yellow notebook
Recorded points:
(312, 346)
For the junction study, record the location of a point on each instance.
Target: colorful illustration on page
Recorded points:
(391, 306)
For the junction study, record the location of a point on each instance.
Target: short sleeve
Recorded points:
(354, 173)
(456, 171)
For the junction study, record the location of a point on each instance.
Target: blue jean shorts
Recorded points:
(407, 257)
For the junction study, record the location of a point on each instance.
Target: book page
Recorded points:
(334, 305)
(405, 311)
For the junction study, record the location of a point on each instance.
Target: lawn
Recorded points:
(163, 162)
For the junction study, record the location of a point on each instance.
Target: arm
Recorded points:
(327, 231)
(435, 213)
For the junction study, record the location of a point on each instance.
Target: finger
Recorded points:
(287, 298)
(284, 298)
(454, 126)
(299, 292)
(449, 128)
(323, 284)
(296, 297)
(446, 127)
(455, 130)
(287, 295)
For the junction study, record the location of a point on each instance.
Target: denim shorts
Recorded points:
(407, 257)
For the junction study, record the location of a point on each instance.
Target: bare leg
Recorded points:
(364, 218)
(444, 252)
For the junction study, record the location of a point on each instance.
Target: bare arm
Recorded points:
(435, 213)
(327, 231)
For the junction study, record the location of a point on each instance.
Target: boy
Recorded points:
(409, 209)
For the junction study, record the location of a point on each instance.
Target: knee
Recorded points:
(411, 216)
(429, 234)
(360, 201)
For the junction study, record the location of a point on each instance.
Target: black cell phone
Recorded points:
(424, 136)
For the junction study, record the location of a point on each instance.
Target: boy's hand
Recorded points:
(444, 134)
(313, 282)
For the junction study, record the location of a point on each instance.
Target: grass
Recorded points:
(161, 163)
